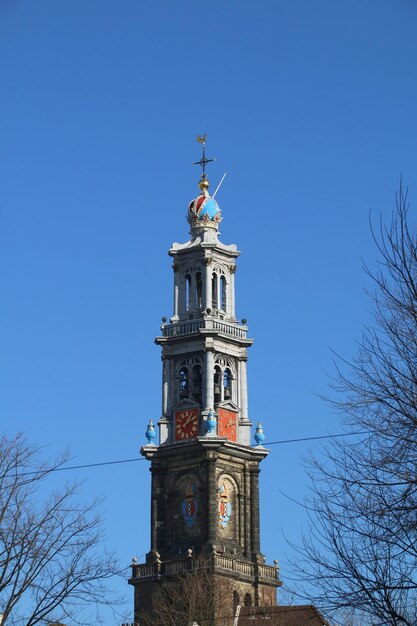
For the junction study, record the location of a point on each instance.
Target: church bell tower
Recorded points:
(205, 472)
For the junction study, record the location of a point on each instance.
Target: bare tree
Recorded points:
(197, 595)
(52, 563)
(360, 551)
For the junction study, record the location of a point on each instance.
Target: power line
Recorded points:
(269, 443)
(43, 473)
(359, 432)
(72, 467)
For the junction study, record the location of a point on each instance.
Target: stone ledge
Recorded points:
(215, 563)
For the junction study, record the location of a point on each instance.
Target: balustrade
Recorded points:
(268, 571)
(173, 568)
(191, 327)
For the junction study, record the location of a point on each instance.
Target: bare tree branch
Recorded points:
(52, 561)
(360, 549)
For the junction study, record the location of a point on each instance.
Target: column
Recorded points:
(231, 303)
(176, 293)
(165, 384)
(243, 385)
(193, 299)
(254, 506)
(171, 391)
(212, 504)
(154, 510)
(207, 284)
(246, 512)
(208, 396)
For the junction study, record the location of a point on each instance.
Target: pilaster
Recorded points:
(175, 316)
(208, 391)
(207, 283)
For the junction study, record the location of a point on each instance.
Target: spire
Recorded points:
(203, 211)
(204, 183)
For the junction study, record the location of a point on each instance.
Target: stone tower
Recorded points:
(205, 487)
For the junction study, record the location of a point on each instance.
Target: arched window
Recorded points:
(184, 383)
(198, 291)
(197, 383)
(227, 384)
(187, 292)
(248, 599)
(223, 293)
(214, 296)
(236, 601)
(217, 385)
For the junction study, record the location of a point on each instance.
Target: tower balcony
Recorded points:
(218, 563)
(205, 326)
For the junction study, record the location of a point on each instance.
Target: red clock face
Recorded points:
(186, 424)
(227, 424)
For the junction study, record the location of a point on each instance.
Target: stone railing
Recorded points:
(268, 571)
(224, 328)
(218, 561)
(182, 328)
(227, 562)
(145, 570)
(190, 327)
(172, 568)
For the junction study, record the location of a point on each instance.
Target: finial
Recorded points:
(210, 423)
(259, 434)
(150, 433)
(203, 183)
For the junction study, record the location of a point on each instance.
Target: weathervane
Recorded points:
(204, 160)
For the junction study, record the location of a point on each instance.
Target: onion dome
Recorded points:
(203, 211)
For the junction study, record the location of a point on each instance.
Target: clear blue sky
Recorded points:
(311, 109)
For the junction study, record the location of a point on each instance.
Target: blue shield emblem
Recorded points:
(189, 506)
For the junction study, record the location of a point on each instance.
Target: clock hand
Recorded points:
(190, 419)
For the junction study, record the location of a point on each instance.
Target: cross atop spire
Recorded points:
(204, 160)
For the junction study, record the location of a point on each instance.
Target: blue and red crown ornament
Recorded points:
(204, 211)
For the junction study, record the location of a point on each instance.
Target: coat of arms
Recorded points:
(225, 506)
(189, 506)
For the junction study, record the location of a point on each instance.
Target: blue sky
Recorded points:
(311, 109)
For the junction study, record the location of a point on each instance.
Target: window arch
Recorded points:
(187, 292)
(223, 293)
(227, 384)
(236, 601)
(197, 384)
(184, 386)
(248, 599)
(217, 384)
(198, 290)
(214, 291)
